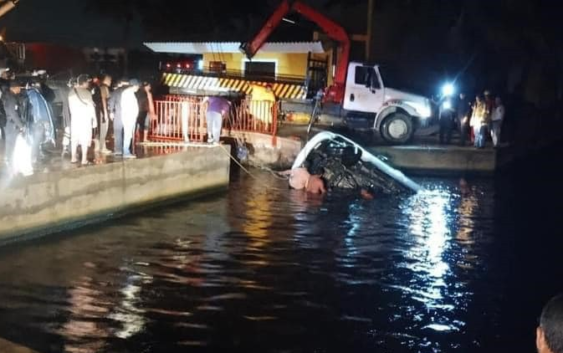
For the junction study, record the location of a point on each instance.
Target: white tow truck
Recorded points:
(358, 91)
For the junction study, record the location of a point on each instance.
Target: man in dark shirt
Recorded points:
(14, 123)
(463, 113)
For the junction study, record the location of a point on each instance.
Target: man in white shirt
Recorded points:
(496, 121)
(83, 118)
(129, 113)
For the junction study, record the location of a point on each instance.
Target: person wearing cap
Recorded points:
(129, 113)
(83, 118)
(14, 123)
(549, 334)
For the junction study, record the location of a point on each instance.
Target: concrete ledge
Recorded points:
(263, 151)
(439, 159)
(46, 203)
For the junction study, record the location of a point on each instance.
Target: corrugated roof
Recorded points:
(232, 47)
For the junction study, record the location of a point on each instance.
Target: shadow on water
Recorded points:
(263, 268)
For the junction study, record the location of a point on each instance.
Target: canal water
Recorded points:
(262, 268)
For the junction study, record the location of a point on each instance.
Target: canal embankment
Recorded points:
(57, 200)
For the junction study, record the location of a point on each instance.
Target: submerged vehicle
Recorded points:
(345, 165)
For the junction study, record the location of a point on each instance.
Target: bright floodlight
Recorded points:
(448, 89)
(447, 105)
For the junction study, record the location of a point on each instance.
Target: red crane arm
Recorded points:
(331, 28)
(252, 47)
(334, 31)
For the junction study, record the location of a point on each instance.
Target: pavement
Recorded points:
(53, 161)
(424, 138)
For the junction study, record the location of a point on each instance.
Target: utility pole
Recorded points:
(369, 30)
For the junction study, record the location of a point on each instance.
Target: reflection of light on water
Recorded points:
(86, 308)
(354, 222)
(428, 221)
(128, 313)
(258, 217)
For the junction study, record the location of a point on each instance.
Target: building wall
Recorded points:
(286, 64)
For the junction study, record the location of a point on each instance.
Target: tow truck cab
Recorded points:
(396, 114)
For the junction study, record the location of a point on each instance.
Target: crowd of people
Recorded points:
(474, 120)
(95, 107)
(92, 107)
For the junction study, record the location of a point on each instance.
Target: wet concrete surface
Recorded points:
(54, 160)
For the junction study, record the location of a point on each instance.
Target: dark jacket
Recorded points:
(463, 109)
(14, 121)
(114, 103)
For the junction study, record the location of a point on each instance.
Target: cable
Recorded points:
(246, 170)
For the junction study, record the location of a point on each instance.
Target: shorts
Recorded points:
(143, 121)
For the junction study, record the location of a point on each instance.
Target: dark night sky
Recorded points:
(69, 21)
(64, 21)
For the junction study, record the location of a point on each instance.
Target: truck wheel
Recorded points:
(397, 128)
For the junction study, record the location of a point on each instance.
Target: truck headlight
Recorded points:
(448, 90)
(425, 112)
(447, 105)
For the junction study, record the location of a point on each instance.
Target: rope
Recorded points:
(252, 175)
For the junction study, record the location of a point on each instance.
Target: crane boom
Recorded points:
(335, 93)
(7, 6)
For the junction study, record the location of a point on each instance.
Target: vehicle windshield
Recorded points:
(393, 78)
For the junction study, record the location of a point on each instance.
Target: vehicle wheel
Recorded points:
(397, 128)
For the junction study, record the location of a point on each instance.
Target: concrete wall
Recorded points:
(438, 160)
(47, 202)
(263, 152)
(287, 64)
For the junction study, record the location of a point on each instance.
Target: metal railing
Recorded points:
(180, 119)
(183, 118)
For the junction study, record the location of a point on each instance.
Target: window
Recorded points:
(217, 66)
(261, 69)
(365, 76)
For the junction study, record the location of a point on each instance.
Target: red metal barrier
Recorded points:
(181, 118)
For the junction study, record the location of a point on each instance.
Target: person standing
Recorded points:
(63, 94)
(479, 121)
(496, 121)
(463, 110)
(14, 123)
(146, 111)
(102, 95)
(446, 121)
(83, 118)
(114, 107)
(217, 108)
(129, 114)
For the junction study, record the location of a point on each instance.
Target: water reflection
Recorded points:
(429, 217)
(128, 312)
(263, 269)
(82, 331)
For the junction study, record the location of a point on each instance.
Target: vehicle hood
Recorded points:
(391, 94)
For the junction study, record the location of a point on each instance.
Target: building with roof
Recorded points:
(288, 61)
